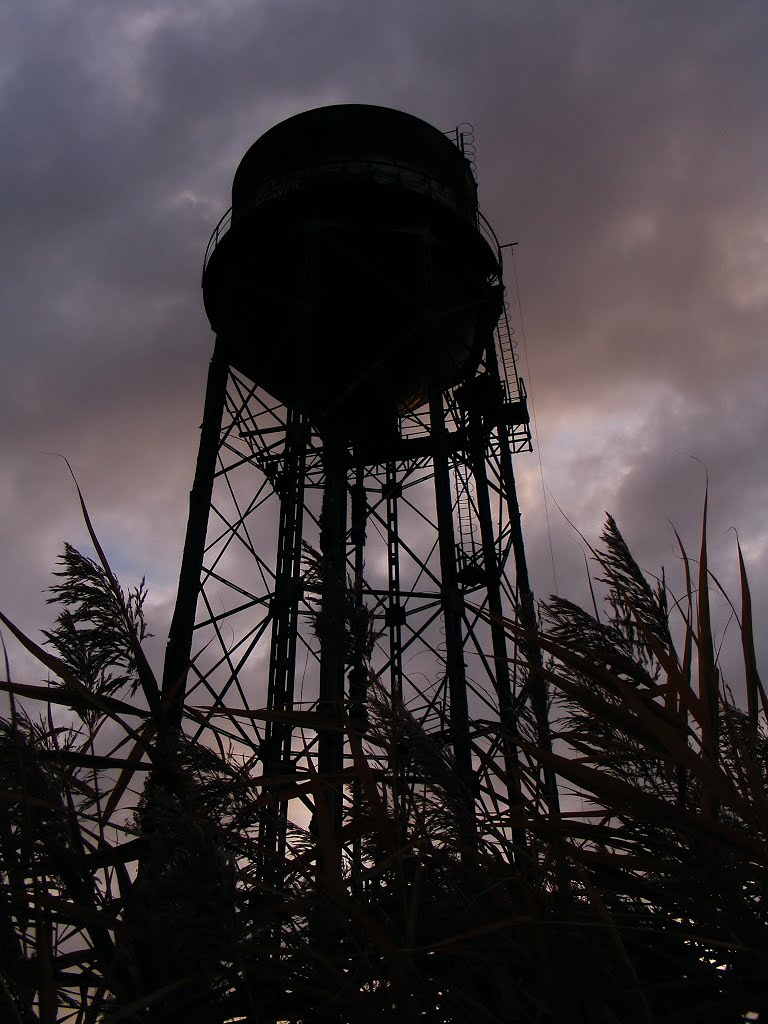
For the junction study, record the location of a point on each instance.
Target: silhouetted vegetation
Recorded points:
(136, 885)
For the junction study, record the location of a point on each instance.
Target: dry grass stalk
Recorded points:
(134, 885)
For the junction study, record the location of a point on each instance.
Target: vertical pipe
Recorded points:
(395, 612)
(331, 630)
(358, 675)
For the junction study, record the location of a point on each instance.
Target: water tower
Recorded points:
(353, 520)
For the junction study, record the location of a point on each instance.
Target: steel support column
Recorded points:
(276, 751)
(179, 648)
(452, 604)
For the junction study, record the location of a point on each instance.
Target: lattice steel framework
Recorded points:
(310, 575)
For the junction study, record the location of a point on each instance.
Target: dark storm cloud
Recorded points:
(634, 194)
(623, 145)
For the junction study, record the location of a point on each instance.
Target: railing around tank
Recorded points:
(485, 229)
(378, 171)
(216, 235)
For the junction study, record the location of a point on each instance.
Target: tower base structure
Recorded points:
(336, 600)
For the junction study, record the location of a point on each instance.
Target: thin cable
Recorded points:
(533, 414)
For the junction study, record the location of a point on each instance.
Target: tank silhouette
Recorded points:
(353, 277)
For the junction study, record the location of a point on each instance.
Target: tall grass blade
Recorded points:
(755, 688)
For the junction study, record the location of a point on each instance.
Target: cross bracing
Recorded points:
(316, 556)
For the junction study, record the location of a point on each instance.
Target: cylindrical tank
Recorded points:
(353, 276)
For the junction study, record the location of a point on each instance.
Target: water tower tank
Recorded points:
(353, 276)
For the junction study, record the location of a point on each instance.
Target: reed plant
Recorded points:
(136, 885)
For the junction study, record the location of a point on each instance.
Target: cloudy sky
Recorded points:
(622, 143)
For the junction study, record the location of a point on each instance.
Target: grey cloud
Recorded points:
(621, 143)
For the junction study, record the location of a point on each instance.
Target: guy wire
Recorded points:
(533, 416)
